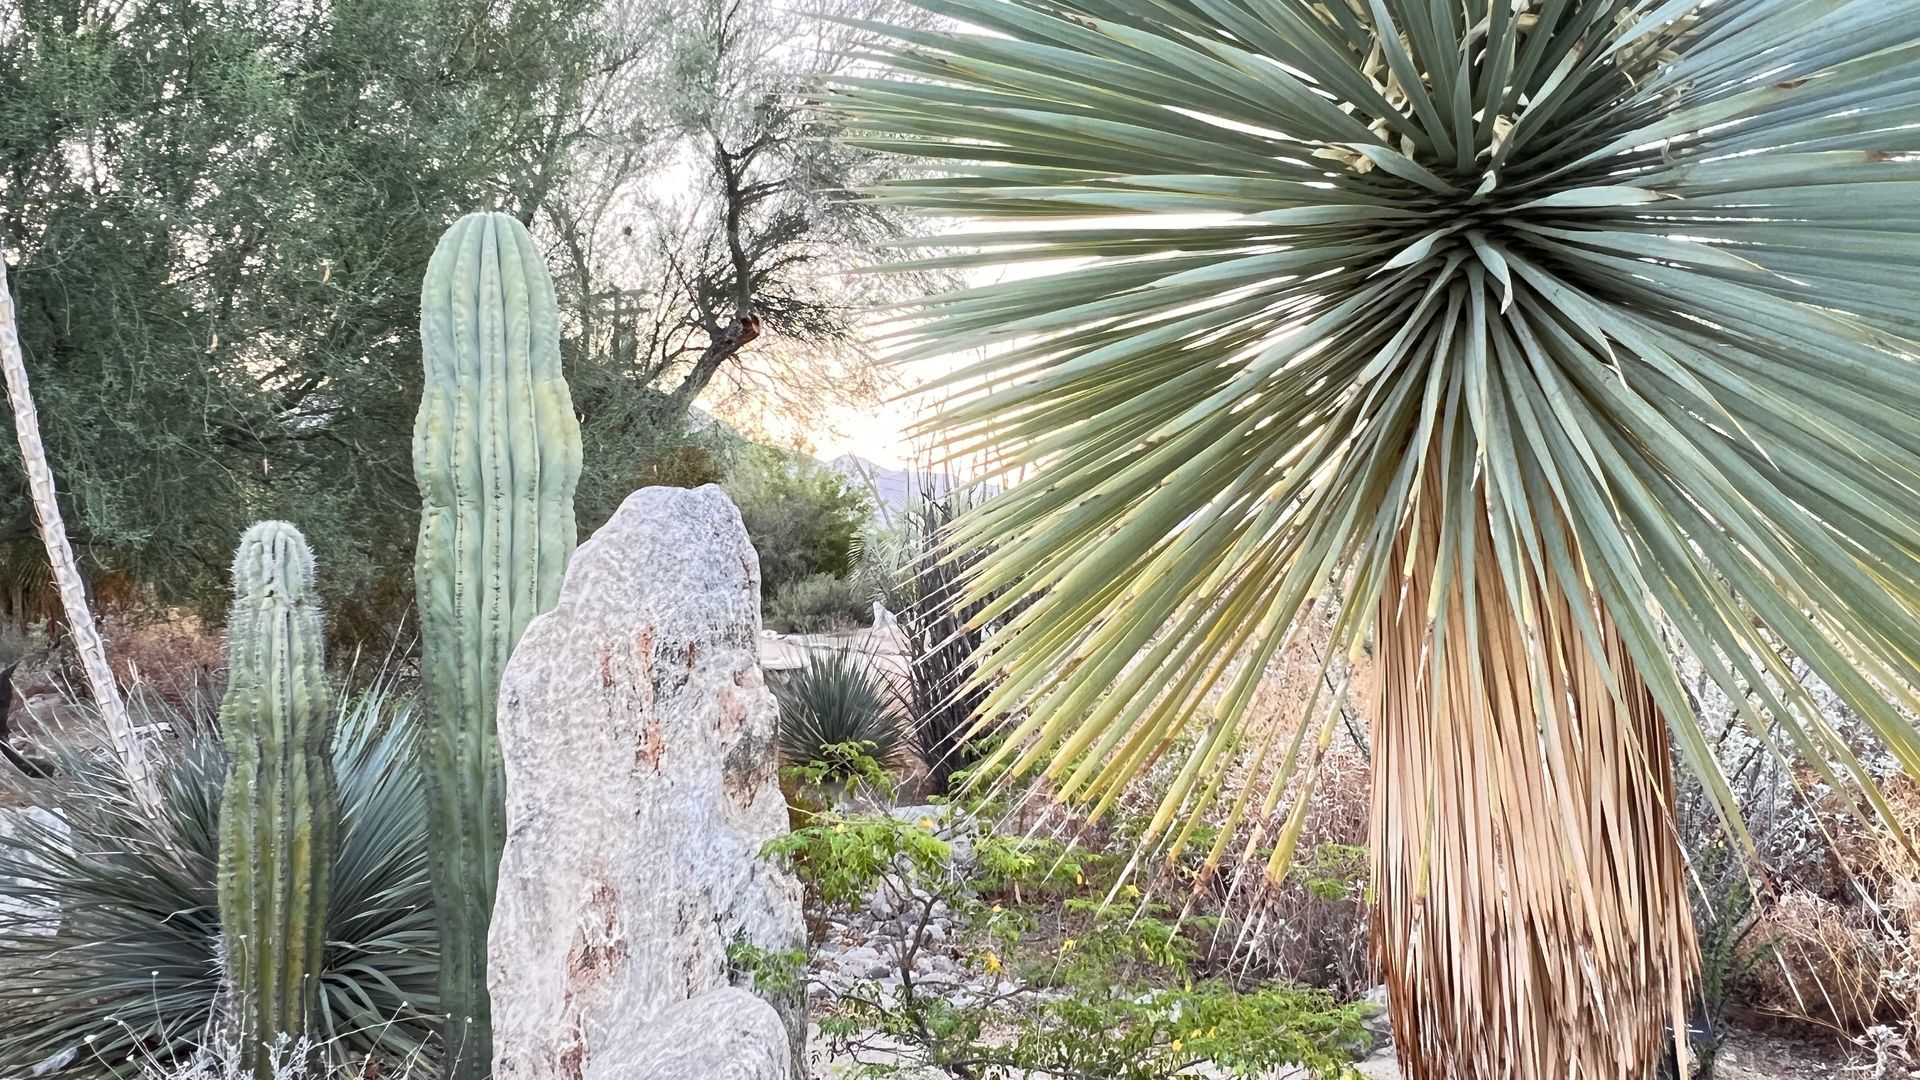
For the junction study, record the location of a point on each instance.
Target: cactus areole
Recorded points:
(279, 812)
(496, 452)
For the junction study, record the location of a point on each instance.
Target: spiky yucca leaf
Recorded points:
(131, 977)
(834, 700)
(1526, 328)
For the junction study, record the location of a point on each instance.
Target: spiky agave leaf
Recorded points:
(937, 629)
(835, 699)
(1524, 327)
(131, 978)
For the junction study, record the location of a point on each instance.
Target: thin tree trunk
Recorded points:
(1532, 918)
(66, 573)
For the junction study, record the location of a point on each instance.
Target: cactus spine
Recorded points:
(279, 812)
(496, 452)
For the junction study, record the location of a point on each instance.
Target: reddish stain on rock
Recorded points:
(733, 713)
(572, 1062)
(595, 954)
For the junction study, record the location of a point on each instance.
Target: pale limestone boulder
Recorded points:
(642, 782)
(724, 1034)
(22, 830)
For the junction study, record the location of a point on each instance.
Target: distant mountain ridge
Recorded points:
(895, 489)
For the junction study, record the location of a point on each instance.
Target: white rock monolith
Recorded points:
(642, 781)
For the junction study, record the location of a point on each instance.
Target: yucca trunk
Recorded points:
(1532, 918)
(66, 572)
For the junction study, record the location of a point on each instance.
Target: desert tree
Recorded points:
(219, 212)
(715, 224)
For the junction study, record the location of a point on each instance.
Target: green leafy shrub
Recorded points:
(630, 440)
(1155, 1036)
(131, 978)
(1334, 872)
(803, 517)
(1023, 865)
(818, 603)
(843, 857)
(1118, 999)
(834, 708)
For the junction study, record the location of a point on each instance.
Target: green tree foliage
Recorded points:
(802, 516)
(220, 212)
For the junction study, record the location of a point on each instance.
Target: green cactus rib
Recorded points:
(496, 452)
(279, 811)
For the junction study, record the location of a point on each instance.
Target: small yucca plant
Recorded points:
(942, 639)
(131, 980)
(836, 701)
(1511, 333)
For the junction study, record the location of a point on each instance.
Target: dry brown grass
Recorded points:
(169, 653)
(1311, 925)
(1823, 967)
(1841, 946)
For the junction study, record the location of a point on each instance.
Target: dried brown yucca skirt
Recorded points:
(1532, 921)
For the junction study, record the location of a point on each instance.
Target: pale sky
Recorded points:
(878, 433)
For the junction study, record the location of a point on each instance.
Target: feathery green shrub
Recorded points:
(818, 603)
(804, 518)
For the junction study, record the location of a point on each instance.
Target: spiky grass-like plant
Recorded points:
(942, 639)
(1526, 328)
(834, 701)
(130, 980)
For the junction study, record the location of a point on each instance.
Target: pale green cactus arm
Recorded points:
(279, 812)
(496, 451)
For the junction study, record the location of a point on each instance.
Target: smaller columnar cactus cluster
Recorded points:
(496, 453)
(279, 812)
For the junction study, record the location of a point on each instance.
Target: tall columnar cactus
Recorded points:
(279, 813)
(496, 451)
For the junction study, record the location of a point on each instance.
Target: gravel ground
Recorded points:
(1746, 1056)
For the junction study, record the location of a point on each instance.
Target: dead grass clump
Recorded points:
(168, 653)
(1826, 966)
